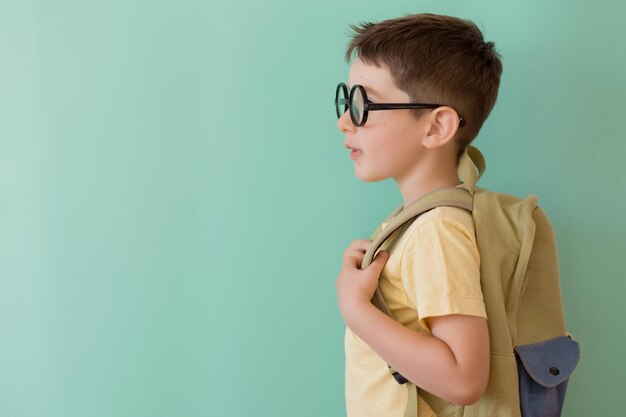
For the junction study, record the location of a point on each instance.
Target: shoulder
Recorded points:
(446, 232)
(445, 217)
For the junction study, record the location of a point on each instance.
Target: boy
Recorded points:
(443, 79)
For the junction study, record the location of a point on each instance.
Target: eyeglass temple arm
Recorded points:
(388, 106)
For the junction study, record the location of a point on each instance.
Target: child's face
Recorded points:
(389, 144)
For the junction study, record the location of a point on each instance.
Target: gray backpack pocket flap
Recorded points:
(551, 362)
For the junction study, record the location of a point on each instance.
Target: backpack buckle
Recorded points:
(398, 376)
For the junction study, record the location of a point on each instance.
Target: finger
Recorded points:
(360, 244)
(379, 261)
(358, 253)
(351, 261)
(355, 251)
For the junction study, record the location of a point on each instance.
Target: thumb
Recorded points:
(380, 260)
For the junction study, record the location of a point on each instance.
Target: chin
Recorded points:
(369, 177)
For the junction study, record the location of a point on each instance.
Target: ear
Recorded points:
(444, 122)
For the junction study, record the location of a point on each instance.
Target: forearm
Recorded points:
(425, 360)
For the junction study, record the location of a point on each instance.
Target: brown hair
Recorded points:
(435, 59)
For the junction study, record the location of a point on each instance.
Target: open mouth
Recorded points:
(354, 153)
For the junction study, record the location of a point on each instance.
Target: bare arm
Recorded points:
(452, 363)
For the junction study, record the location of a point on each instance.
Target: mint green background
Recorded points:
(175, 196)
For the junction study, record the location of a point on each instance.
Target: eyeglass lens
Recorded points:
(356, 106)
(341, 100)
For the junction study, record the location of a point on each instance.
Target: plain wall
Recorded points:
(175, 196)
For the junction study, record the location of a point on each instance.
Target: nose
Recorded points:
(344, 123)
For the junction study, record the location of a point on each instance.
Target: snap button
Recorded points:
(554, 371)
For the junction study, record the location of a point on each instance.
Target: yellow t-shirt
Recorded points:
(433, 270)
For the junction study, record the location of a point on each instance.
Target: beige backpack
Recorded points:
(532, 354)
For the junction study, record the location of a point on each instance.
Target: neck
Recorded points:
(427, 176)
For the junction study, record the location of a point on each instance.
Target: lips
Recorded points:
(354, 152)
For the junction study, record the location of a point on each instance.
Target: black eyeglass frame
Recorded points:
(369, 105)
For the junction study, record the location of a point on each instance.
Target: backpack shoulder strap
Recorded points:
(471, 168)
(385, 237)
(402, 218)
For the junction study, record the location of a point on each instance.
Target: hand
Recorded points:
(356, 287)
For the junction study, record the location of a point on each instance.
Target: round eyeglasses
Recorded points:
(359, 105)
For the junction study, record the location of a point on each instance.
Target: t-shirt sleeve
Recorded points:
(441, 270)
